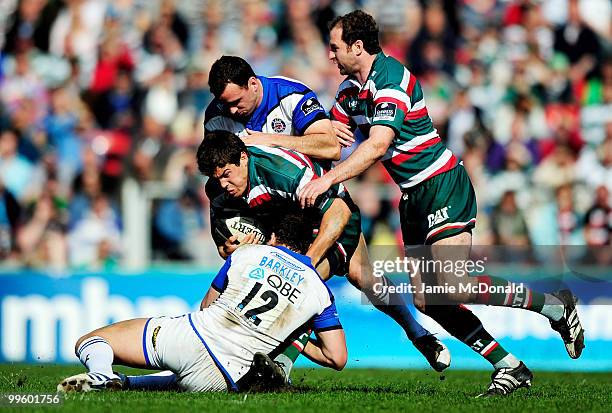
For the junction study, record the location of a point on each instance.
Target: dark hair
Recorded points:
(229, 69)
(218, 149)
(358, 25)
(294, 229)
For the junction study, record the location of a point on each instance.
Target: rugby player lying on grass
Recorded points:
(225, 346)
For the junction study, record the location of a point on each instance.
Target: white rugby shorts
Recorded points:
(170, 343)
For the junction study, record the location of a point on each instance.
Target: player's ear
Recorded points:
(253, 83)
(357, 47)
(272, 240)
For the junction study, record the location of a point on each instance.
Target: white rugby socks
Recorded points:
(509, 361)
(97, 355)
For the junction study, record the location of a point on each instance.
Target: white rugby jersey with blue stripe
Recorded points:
(267, 293)
(288, 107)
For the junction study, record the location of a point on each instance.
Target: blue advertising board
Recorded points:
(41, 317)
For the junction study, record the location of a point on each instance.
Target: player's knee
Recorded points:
(362, 277)
(80, 341)
(354, 277)
(458, 297)
(454, 290)
(340, 360)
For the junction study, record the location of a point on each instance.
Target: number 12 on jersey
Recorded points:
(271, 300)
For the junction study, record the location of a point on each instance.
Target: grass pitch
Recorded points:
(318, 390)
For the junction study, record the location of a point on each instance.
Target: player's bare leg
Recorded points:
(119, 343)
(456, 249)
(125, 339)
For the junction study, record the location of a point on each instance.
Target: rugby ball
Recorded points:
(241, 226)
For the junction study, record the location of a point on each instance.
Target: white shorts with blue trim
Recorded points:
(170, 343)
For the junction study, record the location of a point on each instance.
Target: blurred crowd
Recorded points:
(95, 92)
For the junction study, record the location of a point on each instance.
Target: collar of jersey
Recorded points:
(301, 258)
(260, 111)
(378, 57)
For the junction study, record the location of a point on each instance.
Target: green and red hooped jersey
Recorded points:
(275, 177)
(392, 96)
(279, 173)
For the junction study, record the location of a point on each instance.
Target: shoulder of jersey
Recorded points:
(286, 84)
(276, 161)
(392, 68)
(214, 108)
(250, 249)
(257, 151)
(212, 188)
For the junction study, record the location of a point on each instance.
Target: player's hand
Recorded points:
(343, 134)
(256, 138)
(308, 195)
(250, 239)
(231, 244)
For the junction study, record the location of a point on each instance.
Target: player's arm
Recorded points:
(224, 246)
(217, 286)
(318, 140)
(232, 244)
(328, 349)
(368, 152)
(391, 104)
(210, 296)
(332, 225)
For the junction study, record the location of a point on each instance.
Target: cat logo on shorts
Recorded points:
(438, 217)
(154, 337)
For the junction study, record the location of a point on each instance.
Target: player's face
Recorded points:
(234, 178)
(340, 53)
(240, 101)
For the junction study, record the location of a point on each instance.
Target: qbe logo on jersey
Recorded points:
(284, 276)
(310, 106)
(385, 111)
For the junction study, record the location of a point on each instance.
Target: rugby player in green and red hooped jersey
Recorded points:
(279, 112)
(265, 181)
(383, 100)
